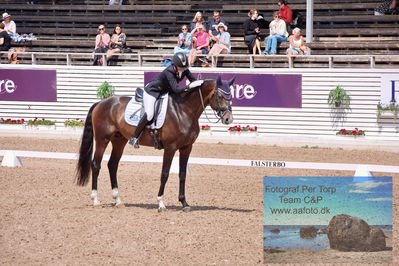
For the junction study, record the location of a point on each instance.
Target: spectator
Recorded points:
(102, 44)
(184, 41)
(117, 43)
(198, 20)
(251, 32)
(278, 33)
(388, 7)
(222, 43)
(202, 44)
(9, 25)
(115, 2)
(285, 11)
(213, 23)
(5, 40)
(32, 2)
(297, 43)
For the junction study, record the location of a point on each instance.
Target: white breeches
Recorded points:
(149, 105)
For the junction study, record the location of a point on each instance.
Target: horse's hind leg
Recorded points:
(183, 160)
(96, 166)
(118, 144)
(167, 161)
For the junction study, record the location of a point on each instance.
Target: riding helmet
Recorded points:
(180, 61)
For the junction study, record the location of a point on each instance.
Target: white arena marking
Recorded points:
(216, 161)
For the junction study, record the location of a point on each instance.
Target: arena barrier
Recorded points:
(217, 161)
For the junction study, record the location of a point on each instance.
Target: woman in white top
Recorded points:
(278, 33)
(297, 43)
(9, 25)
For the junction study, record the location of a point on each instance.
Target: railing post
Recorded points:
(330, 62)
(290, 61)
(213, 61)
(68, 59)
(372, 62)
(139, 59)
(33, 56)
(104, 60)
(251, 61)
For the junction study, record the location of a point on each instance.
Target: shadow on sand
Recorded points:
(193, 208)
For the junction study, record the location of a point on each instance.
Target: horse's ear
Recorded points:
(231, 81)
(219, 81)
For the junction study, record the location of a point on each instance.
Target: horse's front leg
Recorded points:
(167, 161)
(183, 160)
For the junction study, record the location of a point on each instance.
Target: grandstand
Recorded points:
(346, 33)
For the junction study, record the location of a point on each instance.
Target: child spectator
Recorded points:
(202, 44)
(102, 44)
(252, 31)
(184, 41)
(297, 43)
(285, 11)
(278, 33)
(9, 25)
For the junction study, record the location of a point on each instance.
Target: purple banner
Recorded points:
(257, 90)
(28, 85)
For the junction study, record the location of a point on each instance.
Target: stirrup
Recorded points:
(134, 142)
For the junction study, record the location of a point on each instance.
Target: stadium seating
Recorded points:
(340, 27)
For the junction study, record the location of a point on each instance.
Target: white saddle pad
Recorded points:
(134, 111)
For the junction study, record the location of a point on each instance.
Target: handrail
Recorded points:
(288, 60)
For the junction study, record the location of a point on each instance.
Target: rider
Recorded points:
(166, 82)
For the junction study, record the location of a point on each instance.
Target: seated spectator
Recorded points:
(251, 32)
(117, 43)
(388, 7)
(278, 33)
(202, 44)
(9, 25)
(297, 43)
(213, 23)
(285, 13)
(184, 41)
(198, 20)
(32, 2)
(222, 43)
(5, 40)
(102, 44)
(115, 2)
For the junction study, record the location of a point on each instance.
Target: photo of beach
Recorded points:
(327, 220)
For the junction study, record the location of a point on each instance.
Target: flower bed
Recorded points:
(10, 121)
(74, 122)
(354, 132)
(239, 128)
(40, 122)
(205, 127)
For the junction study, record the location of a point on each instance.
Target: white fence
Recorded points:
(76, 92)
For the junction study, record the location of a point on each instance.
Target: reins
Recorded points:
(203, 109)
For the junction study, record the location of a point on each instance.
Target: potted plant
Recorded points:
(392, 107)
(338, 97)
(354, 132)
(206, 130)
(105, 90)
(9, 123)
(41, 123)
(74, 124)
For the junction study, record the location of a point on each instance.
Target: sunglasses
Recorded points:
(184, 29)
(101, 29)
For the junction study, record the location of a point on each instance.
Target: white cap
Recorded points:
(6, 15)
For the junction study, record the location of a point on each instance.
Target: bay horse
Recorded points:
(105, 123)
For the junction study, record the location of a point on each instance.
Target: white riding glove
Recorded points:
(196, 83)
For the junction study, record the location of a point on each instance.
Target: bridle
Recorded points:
(220, 110)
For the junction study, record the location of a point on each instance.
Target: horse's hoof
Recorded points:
(161, 209)
(96, 203)
(187, 209)
(118, 202)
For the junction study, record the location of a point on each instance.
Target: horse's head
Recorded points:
(221, 100)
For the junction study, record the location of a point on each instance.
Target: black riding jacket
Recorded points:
(168, 81)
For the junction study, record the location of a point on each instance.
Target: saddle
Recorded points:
(135, 110)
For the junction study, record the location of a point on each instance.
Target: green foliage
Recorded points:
(393, 107)
(338, 97)
(40, 122)
(74, 123)
(105, 90)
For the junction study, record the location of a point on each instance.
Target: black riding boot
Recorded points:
(140, 127)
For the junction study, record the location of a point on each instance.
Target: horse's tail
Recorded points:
(85, 152)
